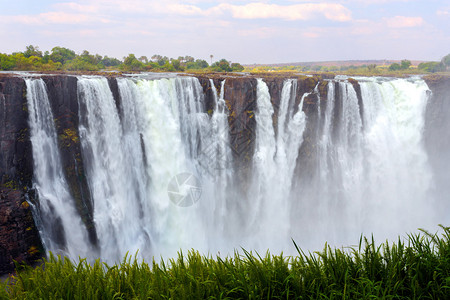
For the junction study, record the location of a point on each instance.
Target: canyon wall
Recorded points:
(19, 237)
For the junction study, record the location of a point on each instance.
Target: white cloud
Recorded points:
(379, 1)
(52, 18)
(306, 11)
(365, 28)
(201, 27)
(68, 18)
(261, 33)
(76, 7)
(311, 34)
(404, 22)
(367, 2)
(103, 11)
(254, 10)
(112, 6)
(184, 10)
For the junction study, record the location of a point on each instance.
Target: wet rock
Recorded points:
(63, 97)
(437, 137)
(19, 238)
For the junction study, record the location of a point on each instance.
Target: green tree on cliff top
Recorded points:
(132, 63)
(62, 55)
(446, 61)
(405, 64)
(60, 58)
(32, 51)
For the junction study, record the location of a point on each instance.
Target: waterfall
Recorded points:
(61, 228)
(398, 175)
(161, 174)
(217, 159)
(274, 164)
(133, 157)
(373, 176)
(112, 162)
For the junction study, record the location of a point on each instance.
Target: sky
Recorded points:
(239, 31)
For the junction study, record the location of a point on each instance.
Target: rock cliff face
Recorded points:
(240, 98)
(241, 95)
(19, 238)
(62, 93)
(437, 137)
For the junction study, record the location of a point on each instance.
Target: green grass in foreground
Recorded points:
(416, 268)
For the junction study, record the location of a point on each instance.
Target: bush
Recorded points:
(131, 63)
(432, 66)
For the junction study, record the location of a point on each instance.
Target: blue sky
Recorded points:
(240, 31)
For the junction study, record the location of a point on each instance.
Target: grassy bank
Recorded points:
(416, 268)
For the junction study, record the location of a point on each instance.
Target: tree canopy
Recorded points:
(446, 61)
(64, 59)
(404, 65)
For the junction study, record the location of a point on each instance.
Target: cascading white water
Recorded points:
(163, 130)
(173, 122)
(274, 163)
(398, 175)
(216, 160)
(61, 229)
(373, 175)
(370, 173)
(113, 168)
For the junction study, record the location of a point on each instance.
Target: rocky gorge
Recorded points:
(310, 123)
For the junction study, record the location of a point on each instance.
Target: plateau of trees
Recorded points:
(404, 67)
(64, 59)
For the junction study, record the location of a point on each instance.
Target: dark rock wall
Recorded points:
(437, 138)
(62, 93)
(209, 92)
(19, 238)
(307, 153)
(240, 99)
(15, 167)
(241, 96)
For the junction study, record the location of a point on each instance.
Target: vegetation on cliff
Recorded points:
(64, 59)
(402, 68)
(414, 269)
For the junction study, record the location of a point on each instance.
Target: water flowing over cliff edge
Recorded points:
(98, 166)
